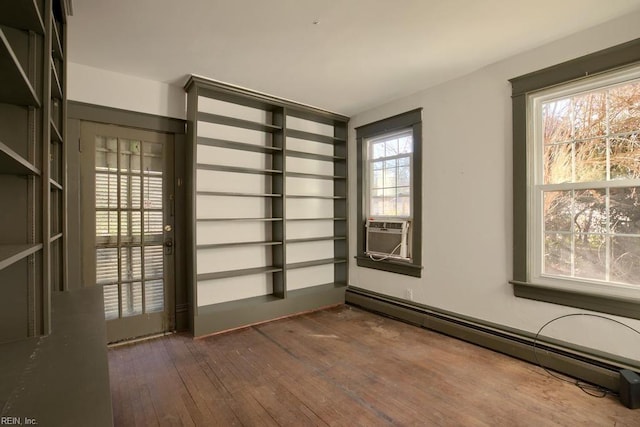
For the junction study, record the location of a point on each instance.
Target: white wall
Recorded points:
(110, 89)
(467, 198)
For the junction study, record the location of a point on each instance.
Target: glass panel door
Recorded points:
(133, 228)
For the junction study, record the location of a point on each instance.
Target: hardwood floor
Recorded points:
(341, 367)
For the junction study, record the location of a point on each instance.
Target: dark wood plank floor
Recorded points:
(341, 367)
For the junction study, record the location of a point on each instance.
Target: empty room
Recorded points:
(320, 212)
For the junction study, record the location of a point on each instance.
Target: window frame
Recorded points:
(604, 61)
(410, 120)
(370, 160)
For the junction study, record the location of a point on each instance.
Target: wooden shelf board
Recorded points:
(238, 273)
(15, 87)
(10, 254)
(308, 196)
(318, 219)
(223, 193)
(315, 262)
(237, 244)
(314, 176)
(314, 156)
(315, 239)
(55, 133)
(21, 14)
(232, 121)
(294, 133)
(14, 164)
(235, 145)
(56, 88)
(55, 185)
(239, 219)
(56, 42)
(237, 169)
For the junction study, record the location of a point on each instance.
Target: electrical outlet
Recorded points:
(409, 294)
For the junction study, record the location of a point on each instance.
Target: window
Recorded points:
(577, 183)
(389, 175)
(389, 178)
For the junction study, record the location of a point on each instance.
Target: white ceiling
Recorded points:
(359, 54)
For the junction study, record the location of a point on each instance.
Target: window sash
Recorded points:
(537, 187)
(369, 175)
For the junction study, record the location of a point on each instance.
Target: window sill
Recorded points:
(392, 266)
(603, 304)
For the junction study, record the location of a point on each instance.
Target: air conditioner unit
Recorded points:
(388, 239)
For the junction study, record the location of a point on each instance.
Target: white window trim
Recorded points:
(369, 160)
(534, 192)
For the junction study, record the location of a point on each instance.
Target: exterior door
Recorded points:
(128, 217)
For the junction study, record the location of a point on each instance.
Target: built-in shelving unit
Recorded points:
(268, 206)
(32, 179)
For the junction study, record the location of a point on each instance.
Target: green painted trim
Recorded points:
(391, 266)
(235, 314)
(598, 303)
(250, 98)
(116, 116)
(592, 366)
(410, 119)
(585, 66)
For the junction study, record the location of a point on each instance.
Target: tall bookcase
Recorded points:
(267, 206)
(32, 168)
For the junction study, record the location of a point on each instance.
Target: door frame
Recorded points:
(78, 112)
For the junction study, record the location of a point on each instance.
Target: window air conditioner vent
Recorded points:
(388, 239)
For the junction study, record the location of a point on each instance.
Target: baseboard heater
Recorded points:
(519, 344)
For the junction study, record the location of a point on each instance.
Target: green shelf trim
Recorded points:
(294, 133)
(314, 176)
(308, 196)
(21, 14)
(238, 273)
(56, 42)
(240, 123)
(315, 262)
(10, 254)
(55, 185)
(16, 87)
(238, 219)
(237, 169)
(55, 133)
(318, 219)
(224, 193)
(13, 164)
(235, 145)
(306, 155)
(315, 239)
(56, 87)
(237, 244)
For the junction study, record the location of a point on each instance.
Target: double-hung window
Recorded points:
(389, 189)
(577, 201)
(389, 175)
(585, 229)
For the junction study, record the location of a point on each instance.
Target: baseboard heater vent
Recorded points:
(520, 345)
